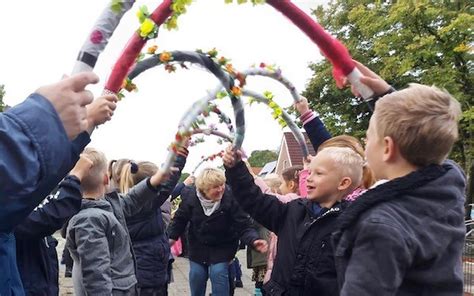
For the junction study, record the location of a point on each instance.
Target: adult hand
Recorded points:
(372, 80)
(231, 157)
(82, 167)
(302, 105)
(69, 98)
(260, 245)
(101, 110)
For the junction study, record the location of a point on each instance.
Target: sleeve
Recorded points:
(94, 255)
(180, 220)
(51, 215)
(302, 182)
(265, 209)
(144, 194)
(379, 260)
(248, 233)
(33, 162)
(177, 190)
(315, 129)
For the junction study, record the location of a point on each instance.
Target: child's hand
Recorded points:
(372, 80)
(101, 110)
(189, 181)
(160, 176)
(302, 105)
(260, 245)
(231, 157)
(83, 165)
(307, 162)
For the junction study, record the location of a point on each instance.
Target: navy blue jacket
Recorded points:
(405, 237)
(36, 155)
(149, 240)
(317, 132)
(35, 247)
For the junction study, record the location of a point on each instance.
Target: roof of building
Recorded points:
(294, 150)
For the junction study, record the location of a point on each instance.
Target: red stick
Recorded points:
(133, 48)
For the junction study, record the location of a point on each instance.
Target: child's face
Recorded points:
(374, 150)
(324, 179)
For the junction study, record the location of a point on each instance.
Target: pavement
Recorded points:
(180, 285)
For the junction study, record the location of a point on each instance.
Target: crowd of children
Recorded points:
(387, 220)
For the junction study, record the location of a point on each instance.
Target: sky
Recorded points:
(41, 40)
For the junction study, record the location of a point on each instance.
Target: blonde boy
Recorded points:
(405, 237)
(305, 261)
(97, 237)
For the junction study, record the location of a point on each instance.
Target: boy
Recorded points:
(305, 261)
(97, 236)
(405, 237)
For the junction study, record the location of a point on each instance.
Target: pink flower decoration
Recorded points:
(96, 36)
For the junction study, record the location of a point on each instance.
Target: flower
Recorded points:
(165, 57)
(212, 53)
(236, 91)
(170, 68)
(128, 85)
(152, 49)
(147, 28)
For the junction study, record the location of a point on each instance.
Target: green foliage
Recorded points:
(259, 158)
(428, 42)
(183, 177)
(2, 94)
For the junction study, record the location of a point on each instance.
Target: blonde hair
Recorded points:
(273, 181)
(422, 121)
(95, 176)
(368, 177)
(348, 162)
(115, 169)
(209, 178)
(133, 173)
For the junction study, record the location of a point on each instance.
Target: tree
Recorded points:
(259, 158)
(428, 42)
(2, 94)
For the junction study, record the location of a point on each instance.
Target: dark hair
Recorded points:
(292, 173)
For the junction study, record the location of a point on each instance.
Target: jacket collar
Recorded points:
(389, 191)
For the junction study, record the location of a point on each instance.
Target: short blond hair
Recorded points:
(422, 121)
(209, 178)
(95, 176)
(348, 163)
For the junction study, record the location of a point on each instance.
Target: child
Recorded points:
(97, 236)
(405, 237)
(305, 261)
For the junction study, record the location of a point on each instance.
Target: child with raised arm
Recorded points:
(405, 237)
(305, 261)
(97, 237)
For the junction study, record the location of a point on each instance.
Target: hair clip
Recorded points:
(133, 167)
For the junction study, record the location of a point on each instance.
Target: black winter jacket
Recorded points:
(305, 261)
(405, 237)
(149, 240)
(215, 238)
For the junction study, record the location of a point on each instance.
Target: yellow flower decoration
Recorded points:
(147, 27)
(152, 49)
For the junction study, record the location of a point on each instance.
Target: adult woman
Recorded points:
(216, 223)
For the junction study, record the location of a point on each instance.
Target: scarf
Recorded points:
(208, 206)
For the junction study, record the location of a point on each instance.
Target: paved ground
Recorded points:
(179, 287)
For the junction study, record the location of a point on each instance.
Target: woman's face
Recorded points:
(215, 193)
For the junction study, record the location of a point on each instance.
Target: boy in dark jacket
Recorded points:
(97, 236)
(405, 236)
(305, 261)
